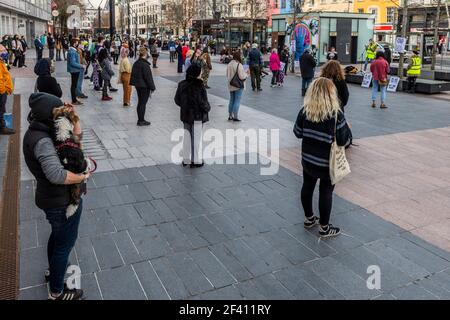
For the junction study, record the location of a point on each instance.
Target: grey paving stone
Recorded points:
(247, 257)
(33, 263)
(426, 245)
(28, 234)
(226, 293)
(120, 284)
(191, 205)
(139, 192)
(126, 248)
(226, 225)
(246, 225)
(291, 213)
(178, 210)
(99, 222)
(87, 260)
(195, 238)
(188, 271)
(268, 254)
(355, 229)
(105, 179)
(106, 252)
(207, 230)
(178, 186)
(163, 210)
(413, 292)
(342, 243)
(150, 281)
(151, 173)
(90, 287)
(148, 213)
(311, 241)
(435, 287)
(249, 291)
(212, 268)
(129, 176)
(267, 219)
(359, 259)
(399, 261)
(96, 199)
(375, 223)
(344, 280)
(169, 278)
(125, 217)
(119, 195)
(417, 254)
(270, 287)
(230, 262)
(34, 293)
(149, 242)
(206, 202)
(305, 285)
(173, 235)
(159, 189)
(289, 247)
(385, 297)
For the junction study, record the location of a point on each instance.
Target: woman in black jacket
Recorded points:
(45, 82)
(333, 71)
(142, 80)
(307, 67)
(319, 122)
(192, 98)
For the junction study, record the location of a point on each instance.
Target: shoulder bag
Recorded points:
(236, 81)
(339, 166)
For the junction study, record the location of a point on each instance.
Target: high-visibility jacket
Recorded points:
(371, 51)
(414, 67)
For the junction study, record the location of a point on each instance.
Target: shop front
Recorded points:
(231, 32)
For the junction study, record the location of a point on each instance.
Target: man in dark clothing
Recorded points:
(284, 57)
(39, 48)
(307, 67)
(387, 54)
(65, 45)
(179, 50)
(142, 80)
(255, 62)
(52, 193)
(51, 46)
(45, 82)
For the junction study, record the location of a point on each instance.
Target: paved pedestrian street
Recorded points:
(152, 229)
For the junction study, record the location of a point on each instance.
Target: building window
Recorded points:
(390, 15)
(374, 11)
(283, 4)
(360, 10)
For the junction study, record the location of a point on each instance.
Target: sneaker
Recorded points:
(83, 96)
(113, 89)
(236, 120)
(7, 131)
(383, 106)
(106, 98)
(197, 165)
(329, 231)
(126, 104)
(230, 118)
(77, 103)
(311, 222)
(67, 294)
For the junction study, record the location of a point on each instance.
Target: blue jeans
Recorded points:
(62, 240)
(375, 91)
(235, 102)
(80, 84)
(366, 63)
(305, 83)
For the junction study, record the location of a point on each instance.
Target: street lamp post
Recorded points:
(436, 35)
(404, 30)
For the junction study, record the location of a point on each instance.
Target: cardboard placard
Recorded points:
(393, 84)
(367, 80)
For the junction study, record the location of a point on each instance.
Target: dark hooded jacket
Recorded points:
(47, 195)
(192, 98)
(45, 82)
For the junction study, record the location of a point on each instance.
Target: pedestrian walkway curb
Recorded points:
(9, 214)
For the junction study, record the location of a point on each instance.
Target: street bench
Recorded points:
(422, 85)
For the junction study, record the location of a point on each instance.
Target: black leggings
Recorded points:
(73, 85)
(325, 197)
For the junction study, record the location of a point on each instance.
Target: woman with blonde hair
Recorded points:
(319, 123)
(333, 71)
(125, 74)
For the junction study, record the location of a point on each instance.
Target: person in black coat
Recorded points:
(179, 51)
(45, 82)
(142, 80)
(388, 54)
(307, 67)
(333, 71)
(192, 98)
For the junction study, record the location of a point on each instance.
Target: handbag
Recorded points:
(236, 81)
(384, 82)
(339, 166)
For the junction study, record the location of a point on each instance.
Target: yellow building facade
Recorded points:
(385, 12)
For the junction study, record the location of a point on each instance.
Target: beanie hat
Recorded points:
(42, 105)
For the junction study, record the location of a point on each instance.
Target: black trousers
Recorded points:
(172, 56)
(106, 84)
(51, 53)
(274, 77)
(143, 95)
(39, 54)
(3, 98)
(325, 197)
(73, 85)
(255, 73)
(412, 84)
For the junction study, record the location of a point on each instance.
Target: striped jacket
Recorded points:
(317, 140)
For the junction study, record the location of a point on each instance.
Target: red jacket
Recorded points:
(379, 69)
(185, 50)
(274, 62)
